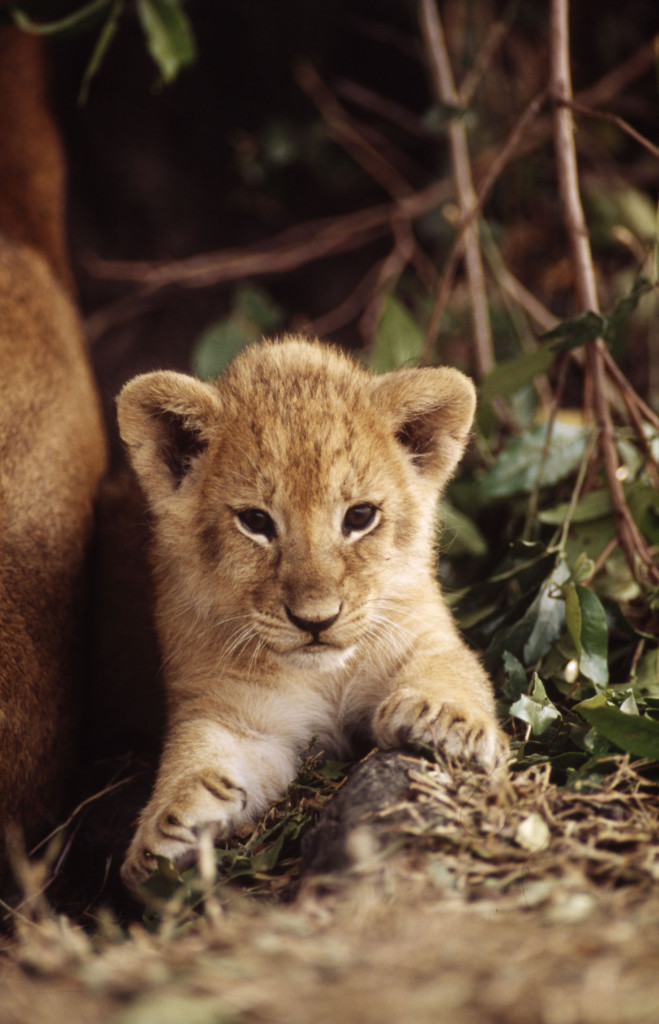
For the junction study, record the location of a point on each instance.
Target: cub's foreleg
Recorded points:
(443, 699)
(212, 779)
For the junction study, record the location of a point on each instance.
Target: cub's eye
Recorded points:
(256, 521)
(358, 518)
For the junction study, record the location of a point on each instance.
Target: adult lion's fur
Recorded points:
(52, 453)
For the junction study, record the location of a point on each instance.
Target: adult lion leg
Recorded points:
(52, 446)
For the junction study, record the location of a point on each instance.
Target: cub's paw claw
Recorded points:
(462, 732)
(171, 824)
(138, 867)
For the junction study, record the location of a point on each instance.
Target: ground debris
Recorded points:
(482, 835)
(461, 898)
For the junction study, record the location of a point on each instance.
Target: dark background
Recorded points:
(166, 172)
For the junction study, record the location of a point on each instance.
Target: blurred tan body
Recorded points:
(52, 453)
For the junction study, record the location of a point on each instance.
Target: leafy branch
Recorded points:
(167, 32)
(633, 544)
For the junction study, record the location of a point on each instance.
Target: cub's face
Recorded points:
(294, 499)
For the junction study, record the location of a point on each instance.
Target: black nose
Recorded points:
(313, 626)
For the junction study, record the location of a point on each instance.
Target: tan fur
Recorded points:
(304, 433)
(52, 453)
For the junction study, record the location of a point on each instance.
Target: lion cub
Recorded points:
(294, 506)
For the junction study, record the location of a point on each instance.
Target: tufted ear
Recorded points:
(167, 420)
(432, 409)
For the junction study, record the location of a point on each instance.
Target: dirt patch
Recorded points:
(465, 901)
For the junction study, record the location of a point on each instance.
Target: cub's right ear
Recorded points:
(167, 420)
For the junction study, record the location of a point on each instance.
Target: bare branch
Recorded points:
(476, 73)
(312, 240)
(344, 132)
(617, 80)
(619, 122)
(445, 89)
(633, 544)
(383, 107)
(496, 166)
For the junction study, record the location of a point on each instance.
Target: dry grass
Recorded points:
(464, 902)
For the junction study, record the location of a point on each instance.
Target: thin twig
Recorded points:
(625, 387)
(534, 499)
(382, 171)
(345, 133)
(288, 250)
(293, 248)
(624, 126)
(601, 561)
(496, 167)
(631, 539)
(473, 78)
(390, 270)
(80, 807)
(616, 81)
(383, 107)
(440, 67)
(348, 309)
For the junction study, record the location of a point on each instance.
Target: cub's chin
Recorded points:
(322, 658)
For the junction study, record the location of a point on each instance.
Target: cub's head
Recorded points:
(294, 498)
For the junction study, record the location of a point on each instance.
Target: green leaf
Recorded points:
(536, 709)
(595, 505)
(267, 859)
(578, 331)
(624, 307)
(589, 539)
(253, 313)
(459, 533)
(257, 306)
(517, 468)
(512, 375)
(586, 623)
(76, 20)
(219, 344)
(646, 682)
(549, 610)
(582, 329)
(516, 682)
(168, 35)
(163, 883)
(637, 735)
(103, 42)
(644, 506)
(333, 770)
(398, 339)
(629, 705)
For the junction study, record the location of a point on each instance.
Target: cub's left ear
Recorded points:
(431, 409)
(167, 421)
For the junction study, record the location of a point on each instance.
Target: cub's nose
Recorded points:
(313, 626)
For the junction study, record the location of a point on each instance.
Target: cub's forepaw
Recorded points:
(461, 731)
(173, 821)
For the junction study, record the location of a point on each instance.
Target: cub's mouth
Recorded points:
(319, 654)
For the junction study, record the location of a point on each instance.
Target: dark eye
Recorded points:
(358, 518)
(259, 522)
